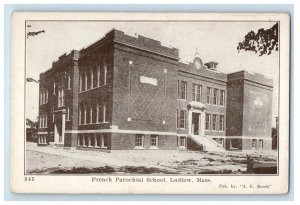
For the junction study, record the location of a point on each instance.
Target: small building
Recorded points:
(125, 92)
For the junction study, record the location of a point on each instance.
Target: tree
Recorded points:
(32, 124)
(263, 42)
(31, 130)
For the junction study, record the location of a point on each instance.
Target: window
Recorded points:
(80, 82)
(221, 123)
(97, 113)
(52, 114)
(139, 140)
(183, 87)
(182, 141)
(181, 118)
(105, 112)
(214, 122)
(43, 120)
(69, 82)
(68, 114)
(91, 115)
(84, 118)
(261, 144)
(85, 81)
(41, 96)
(80, 115)
(216, 95)
(92, 78)
(54, 88)
(208, 94)
(46, 120)
(154, 141)
(207, 121)
(98, 75)
(46, 95)
(222, 98)
(61, 100)
(254, 142)
(105, 73)
(197, 93)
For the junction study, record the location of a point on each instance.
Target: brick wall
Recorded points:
(147, 105)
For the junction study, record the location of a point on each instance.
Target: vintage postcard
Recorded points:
(150, 103)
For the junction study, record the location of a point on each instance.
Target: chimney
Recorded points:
(212, 65)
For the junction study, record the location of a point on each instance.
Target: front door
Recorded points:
(196, 123)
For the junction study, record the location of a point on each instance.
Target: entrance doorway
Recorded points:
(196, 123)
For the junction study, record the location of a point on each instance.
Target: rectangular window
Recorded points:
(207, 121)
(84, 117)
(254, 144)
(214, 122)
(46, 95)
(216, 96)
(182, 141)
(69, 82)
(79, 116)
(221, 123)
(46, 119)
(105, 72)
(208, 94)
(80, 82)
(105, 112)
(197, 93)
(222, 97)
(261, 144)
(178, 89)
(139, 140)
(68, 114)
(85, 81)
(41, 97)
(61, 98)
(181, 118)
(54, 88)
(154, 141)
(98, 75)
(91, 115)
(183, 88)
(92, 78)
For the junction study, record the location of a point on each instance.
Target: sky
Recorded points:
(214, 41)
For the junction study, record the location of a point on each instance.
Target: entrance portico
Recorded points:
(196, 118)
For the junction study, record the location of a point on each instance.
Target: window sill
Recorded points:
(139, 148)
(153, 147)
(98, 123)
(96, 147)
